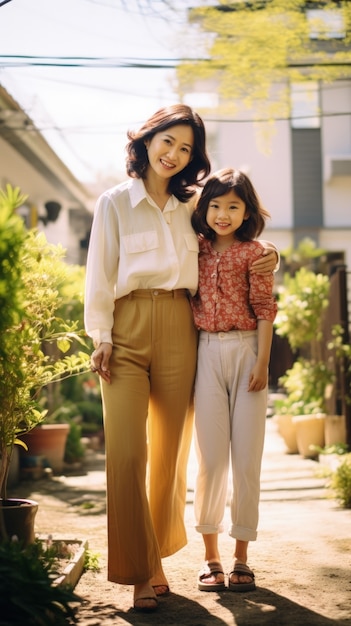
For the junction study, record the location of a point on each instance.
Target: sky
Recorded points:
(85, 112)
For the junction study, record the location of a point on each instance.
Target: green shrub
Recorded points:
(301, 303)
(28, 594)
(91, 561)
(37, 345)
(341, 481)
(74, 450)
(305, 383)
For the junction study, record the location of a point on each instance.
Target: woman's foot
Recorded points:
(160, 584)
(144, 598)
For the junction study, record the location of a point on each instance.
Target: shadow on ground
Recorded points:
(262, 608)
(76, 488)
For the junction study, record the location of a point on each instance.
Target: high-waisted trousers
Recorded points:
(148, 428)
(229, 424)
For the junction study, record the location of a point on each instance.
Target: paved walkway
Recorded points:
(302, 559)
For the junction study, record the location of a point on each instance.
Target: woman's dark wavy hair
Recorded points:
(220, 183)
(182, 185)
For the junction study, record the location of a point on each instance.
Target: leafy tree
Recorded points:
(33, 282)
(253, 46)
(12, 238)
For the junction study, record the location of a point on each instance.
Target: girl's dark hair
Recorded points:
(220, 183)
(182, 185)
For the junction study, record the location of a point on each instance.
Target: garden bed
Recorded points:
(69, 555)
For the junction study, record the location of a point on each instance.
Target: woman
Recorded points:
(142, 262)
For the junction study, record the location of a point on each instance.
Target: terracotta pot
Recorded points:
(287, 430)
(335, 429)
(309, 432)
(19, 517)
(48, 441)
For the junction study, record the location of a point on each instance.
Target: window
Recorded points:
(326, 24)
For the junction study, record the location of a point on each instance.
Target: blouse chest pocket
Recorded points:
(140, 242)
(192, 242)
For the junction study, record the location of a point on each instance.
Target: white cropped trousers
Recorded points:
(229, 425)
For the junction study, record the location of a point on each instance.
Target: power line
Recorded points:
(113, 62)
(8, 60)
(123, 91)
(114, 128)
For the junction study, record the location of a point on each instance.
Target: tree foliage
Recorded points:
(36, 298)
(12, 237)
(252, 46)
(302, 301)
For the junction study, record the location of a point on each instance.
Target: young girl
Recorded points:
(234, 310)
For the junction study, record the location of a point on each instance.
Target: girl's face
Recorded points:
(225, 214)
(171, 150)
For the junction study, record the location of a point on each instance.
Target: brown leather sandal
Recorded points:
(210, 569)
(241, 569)
(161, 590)
(145, 609)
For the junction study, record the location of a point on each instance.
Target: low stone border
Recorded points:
(75, 566)
(73, 571)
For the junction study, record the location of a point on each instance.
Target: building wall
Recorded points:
(73, 222)
(336, 148)
(265, 153)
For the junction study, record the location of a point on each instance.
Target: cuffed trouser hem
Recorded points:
(206, 529)
(243, 534)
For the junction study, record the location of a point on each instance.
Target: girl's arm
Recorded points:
(259, 374)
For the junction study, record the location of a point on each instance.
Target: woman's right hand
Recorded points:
(267, 262)
(100, 360)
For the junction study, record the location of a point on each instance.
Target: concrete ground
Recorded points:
(301, 559)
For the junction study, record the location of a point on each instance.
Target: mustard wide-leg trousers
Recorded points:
(152, 367)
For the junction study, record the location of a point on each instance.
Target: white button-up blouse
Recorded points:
(135, 245)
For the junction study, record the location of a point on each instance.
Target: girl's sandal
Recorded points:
(241, 569)
(210, 569)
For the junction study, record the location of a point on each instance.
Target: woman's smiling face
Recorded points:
(170, 151)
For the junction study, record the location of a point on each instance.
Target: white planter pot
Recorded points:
(287, 430)
(309, 432)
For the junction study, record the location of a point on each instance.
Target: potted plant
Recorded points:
(12, 236)
(302, 301)
(31, 271)
(305, 384)
(47, 443)
(335, 425)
